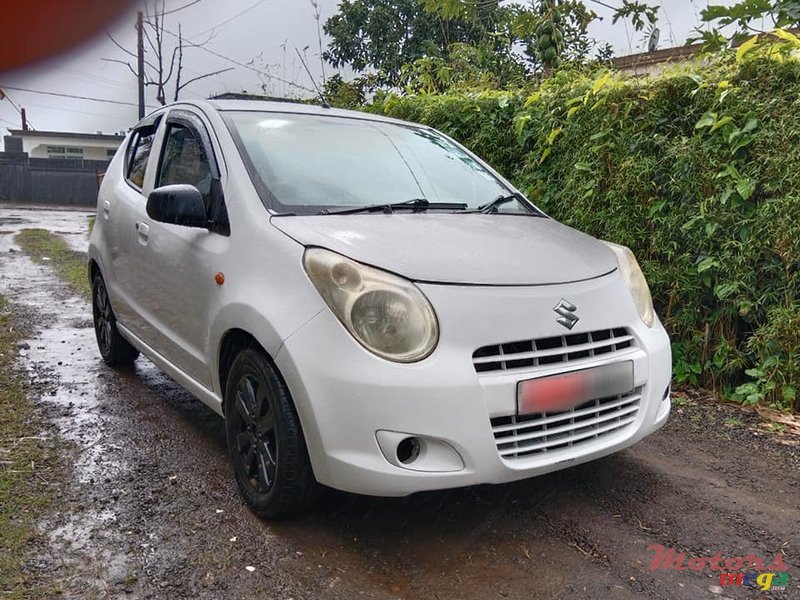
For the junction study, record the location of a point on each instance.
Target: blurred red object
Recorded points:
(33, 30)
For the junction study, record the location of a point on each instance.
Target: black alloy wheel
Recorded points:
(115, 350)
(265, 440)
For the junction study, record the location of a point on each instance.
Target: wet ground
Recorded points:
(147, 506)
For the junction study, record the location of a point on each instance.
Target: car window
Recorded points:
(185, 160)
(310, 162)
(140, 147)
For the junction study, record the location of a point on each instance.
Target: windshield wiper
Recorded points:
(492, 207)
(416, 205)
(497, 202)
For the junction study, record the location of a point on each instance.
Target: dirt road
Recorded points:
(149, 509)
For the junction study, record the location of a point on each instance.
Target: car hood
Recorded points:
(492, 249)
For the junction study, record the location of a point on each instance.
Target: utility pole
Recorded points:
(24, 119)
(140, 60)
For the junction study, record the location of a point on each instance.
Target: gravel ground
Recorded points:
(147, 506)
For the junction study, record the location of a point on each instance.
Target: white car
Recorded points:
(368, 304)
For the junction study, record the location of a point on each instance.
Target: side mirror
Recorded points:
(178, 204)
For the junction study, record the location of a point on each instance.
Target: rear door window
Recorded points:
(138, 153)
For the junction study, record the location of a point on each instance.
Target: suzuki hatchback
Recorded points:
(369, 305)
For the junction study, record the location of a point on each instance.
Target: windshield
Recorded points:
(307, 164)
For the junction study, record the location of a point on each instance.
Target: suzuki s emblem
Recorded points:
(566, 310)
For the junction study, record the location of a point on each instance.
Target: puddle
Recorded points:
(72, 225)
(13, 221)
(91, 539)
(61, 360)
(151, 511)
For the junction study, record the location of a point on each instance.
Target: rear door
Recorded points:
(175, 284)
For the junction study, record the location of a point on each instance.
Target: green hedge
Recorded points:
(697, 170)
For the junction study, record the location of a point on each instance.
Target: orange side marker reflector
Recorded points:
(219, 278)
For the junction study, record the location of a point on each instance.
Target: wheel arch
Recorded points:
(240, 323)
(232, 342)
(235, 340)
(92, 268)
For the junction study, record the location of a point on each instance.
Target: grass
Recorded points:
(733, 422)
(25, 493)
(680, 399)
(48, 248)
(90, 225)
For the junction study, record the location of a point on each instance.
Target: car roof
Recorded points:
(287, 107)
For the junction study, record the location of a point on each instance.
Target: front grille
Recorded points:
(523, 436)
(551, 350)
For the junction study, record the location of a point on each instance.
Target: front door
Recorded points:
(176, 286)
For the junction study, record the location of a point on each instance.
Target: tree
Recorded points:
(747, 17)
(385, 35)
(466, 67)
(554, 32)
(347, 94)
(398, 38)
(163, 60)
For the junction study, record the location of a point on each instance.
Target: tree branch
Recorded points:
(210, 37)
(172, 64)
(120, 46)
(180, 62)
(128, 52)
(153, 47)
(183, 85)
(114, 60)
(174, 10)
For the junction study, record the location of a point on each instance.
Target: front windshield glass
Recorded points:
(309, 163)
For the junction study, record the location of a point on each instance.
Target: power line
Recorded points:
(14, 104)
(60, 95)
(624, 23)
(604, 4)
(73, 110)
(225, 22)
(7, 97)
(241, 64)
(669, 23)
(91, 77)
(180, 8)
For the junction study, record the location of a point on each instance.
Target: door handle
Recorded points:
(106, 208)
(143, 229)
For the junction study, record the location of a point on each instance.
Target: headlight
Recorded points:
(637, 284)
(388, 315)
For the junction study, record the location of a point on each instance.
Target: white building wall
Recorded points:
(37, 147)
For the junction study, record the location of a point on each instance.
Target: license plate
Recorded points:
(556, 393)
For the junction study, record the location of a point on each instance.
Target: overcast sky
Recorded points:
(265, 32)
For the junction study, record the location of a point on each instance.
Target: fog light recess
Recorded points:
(408, 450)
(418, 452)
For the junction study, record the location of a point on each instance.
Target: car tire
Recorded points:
(115, 349)
(265, 440)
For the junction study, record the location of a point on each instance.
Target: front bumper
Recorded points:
(348, 399)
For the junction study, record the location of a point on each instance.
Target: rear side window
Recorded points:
(138, 153)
